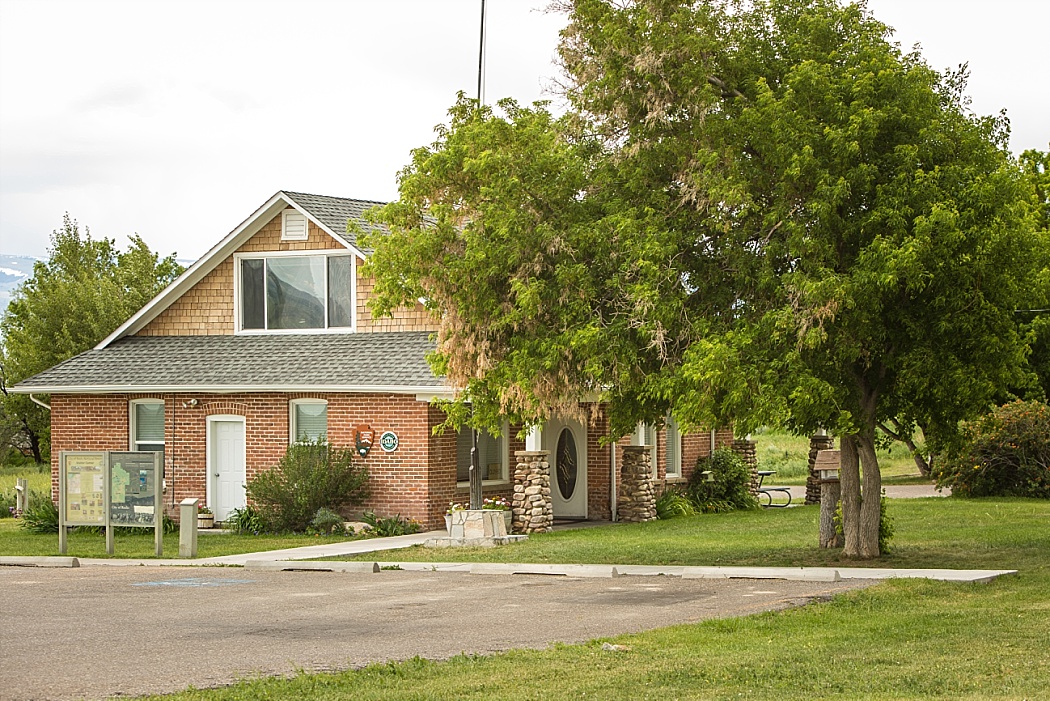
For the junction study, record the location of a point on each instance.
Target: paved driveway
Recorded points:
(96, 632)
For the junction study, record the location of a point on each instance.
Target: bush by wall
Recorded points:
(731, 486)
(310, 476)
(1003, 453)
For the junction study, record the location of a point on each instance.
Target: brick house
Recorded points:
(267, 339)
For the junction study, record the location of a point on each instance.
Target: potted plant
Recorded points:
(205, 518)
(499, 504)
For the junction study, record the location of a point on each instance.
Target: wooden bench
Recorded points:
(767, 492)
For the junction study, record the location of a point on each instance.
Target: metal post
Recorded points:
(475, 472)
(158, 504)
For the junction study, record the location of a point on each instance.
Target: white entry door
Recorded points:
(566, 440)
(226, 473)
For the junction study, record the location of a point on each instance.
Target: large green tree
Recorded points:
(84, 290)
(758, 212)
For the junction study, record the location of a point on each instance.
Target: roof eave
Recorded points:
(228, 389)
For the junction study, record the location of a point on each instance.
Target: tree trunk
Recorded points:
(898, 433)
(870, 511)
(849, 481)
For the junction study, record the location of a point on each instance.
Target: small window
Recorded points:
(147, 425)
(309, 420)
(492, 456)
(674, 449)
(293, 226)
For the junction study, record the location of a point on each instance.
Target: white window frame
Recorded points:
(640, 438)
(327, 253)
(285, 236)
(504, 458)
(674, 449)
(293, 430)
(133, 444)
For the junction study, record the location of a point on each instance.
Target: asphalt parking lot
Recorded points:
(92, 633)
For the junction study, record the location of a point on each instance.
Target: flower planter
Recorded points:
(205, 520)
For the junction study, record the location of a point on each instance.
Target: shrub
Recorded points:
(390, 525)
(41, 516)
(731, 488)
(327, 522)
(673, 503)
(1004, 453)
(309, 477)
(246, 520)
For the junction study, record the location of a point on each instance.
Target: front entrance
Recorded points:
(566, 440)
(226, 473)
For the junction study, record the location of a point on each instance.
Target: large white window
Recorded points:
(147, 424)
(294, 292)
(674, 449)
(492, 456)
(308, 420)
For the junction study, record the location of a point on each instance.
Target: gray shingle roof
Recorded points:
(246, 363)
(334, 212)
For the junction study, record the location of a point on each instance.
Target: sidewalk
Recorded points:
(893, 491)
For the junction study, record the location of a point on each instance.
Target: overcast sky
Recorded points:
(176, 120)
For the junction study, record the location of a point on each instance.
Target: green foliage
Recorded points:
(774, 216)
(1004, 453)
(41, 516)
(327, 522)
(309, 477)
(73, 300)
(731, 488)
(673, 503)
(383, 527)
(247, 519)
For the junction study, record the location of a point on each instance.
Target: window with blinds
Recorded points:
(309, 420)
(147, 425)
(674, 449)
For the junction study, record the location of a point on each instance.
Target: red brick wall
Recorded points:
(401, 481)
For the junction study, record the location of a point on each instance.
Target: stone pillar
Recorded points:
(746, 449)
(637, 499)
(816, 444)
(531, 504)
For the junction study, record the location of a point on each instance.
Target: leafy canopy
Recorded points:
(84, 290)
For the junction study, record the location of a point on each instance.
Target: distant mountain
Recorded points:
(14, 270)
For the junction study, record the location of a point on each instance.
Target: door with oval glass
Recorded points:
(566, 439)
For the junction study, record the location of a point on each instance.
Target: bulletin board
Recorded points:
(82, 493)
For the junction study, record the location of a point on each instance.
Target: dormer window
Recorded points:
(293, 226)
(294, 292)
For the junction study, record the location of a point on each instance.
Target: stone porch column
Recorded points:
(637, 499)
(745, 448)
(817, 443)
(531, 505)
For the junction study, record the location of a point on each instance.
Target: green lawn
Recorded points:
(902, 639)
(789, 456)
(138, 543)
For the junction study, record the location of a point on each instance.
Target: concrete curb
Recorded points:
(798, 574)
(557, 570)
(299, 566)
(33, 561)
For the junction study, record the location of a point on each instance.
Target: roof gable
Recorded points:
(330, 214)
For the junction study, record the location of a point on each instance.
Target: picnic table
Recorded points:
(767, 492)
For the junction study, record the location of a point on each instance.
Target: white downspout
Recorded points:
(712, 441)
(40, 403)
(612, 480)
